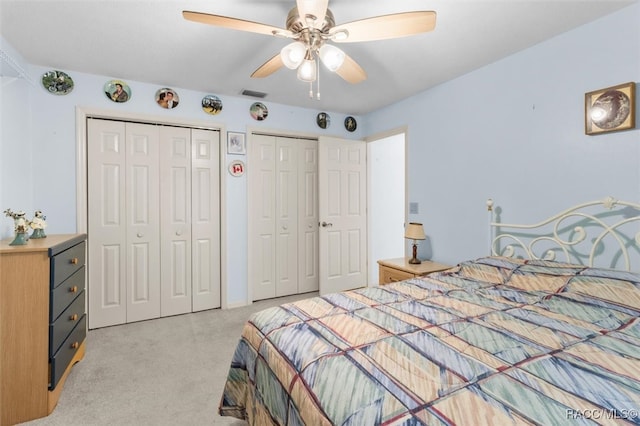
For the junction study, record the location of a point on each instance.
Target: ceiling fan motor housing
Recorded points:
(296, 23)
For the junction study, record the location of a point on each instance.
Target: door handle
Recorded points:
(326, 224)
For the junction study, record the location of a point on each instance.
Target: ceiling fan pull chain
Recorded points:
(318, 81)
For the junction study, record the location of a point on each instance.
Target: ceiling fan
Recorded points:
(311, 26)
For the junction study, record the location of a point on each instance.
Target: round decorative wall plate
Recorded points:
(211, 104)
(117, 91)
(350, 124)
(167, 98)
(259, 111)
(236, 168)
(323, 120)
(57, 82)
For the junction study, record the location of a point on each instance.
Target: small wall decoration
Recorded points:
(323, 120)
(211, 104)
(350, 124)
(236, 143)
(167, 98)
(259, 111)
(117, 91)
(610, 109)
(236, 168)
(57, 82)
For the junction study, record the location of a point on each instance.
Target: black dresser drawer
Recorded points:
(63, 357)
(65, 293)
(66, 263)
(59, 330)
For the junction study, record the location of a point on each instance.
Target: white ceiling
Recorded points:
(150, 41)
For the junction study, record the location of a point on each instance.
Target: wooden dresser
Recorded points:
(42, 322)
(393, 270)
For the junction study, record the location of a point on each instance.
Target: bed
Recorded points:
(516, 337)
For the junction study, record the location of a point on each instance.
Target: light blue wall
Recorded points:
(38, 148)
(514, 131)
(16, 147)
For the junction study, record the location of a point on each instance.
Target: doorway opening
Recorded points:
(387, 199)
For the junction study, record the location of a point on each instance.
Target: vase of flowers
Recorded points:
(21, 226)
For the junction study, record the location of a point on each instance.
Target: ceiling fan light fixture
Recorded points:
(340, 35)
(293, 54)
(331, 56)
(307, 71)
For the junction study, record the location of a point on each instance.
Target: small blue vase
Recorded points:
(20, 239)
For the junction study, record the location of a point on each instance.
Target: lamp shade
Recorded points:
(307, 70)
(414, 231)
(293, 54)
(331, 57)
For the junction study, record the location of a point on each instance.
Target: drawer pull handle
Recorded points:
(75, 345)
(73, 289)
(73, 317)
(74, 261)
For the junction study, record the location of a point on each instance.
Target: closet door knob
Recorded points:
(139, 235)
(178, 233)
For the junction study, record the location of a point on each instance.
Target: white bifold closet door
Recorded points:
(154, 223)
(283, 216)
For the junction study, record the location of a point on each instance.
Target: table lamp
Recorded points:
(414, 231)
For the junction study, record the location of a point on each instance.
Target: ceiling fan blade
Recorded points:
(386, 26)
(269, 67)
(234, 23)
(351, 72)
(312, 12)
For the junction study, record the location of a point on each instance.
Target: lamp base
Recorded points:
(414, 260)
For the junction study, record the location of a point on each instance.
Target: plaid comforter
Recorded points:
(492, 341)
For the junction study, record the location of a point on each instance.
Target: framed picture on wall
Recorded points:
(236, 143)
(610, 109)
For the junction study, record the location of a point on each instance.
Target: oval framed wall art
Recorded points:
(211, 104)
(167, 98)
(57, 82)
(117, 91)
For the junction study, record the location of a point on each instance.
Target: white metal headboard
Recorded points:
(599, 233)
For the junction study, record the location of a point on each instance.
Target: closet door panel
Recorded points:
(262, 210)
(106, 212)
(308, 278)
(143, 217)
(262, 240)
(175, 214)
(205, 217)
(287, 217)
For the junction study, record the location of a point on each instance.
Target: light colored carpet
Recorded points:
(167, 371)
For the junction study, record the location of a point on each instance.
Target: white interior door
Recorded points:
(286, 217)
(283, 220)
(175, 205)
(153, 221)
(342, 189)
(308, 269)
(262, 216)
(107, 275)
(143, 222)
(205, 218)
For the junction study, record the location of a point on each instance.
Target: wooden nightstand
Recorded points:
(392, 270)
